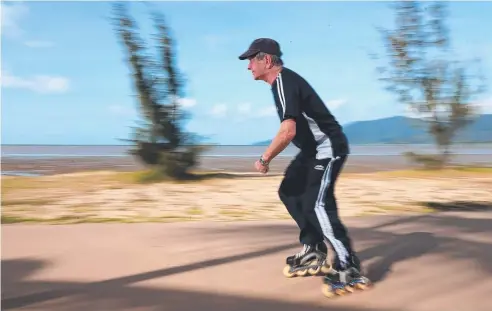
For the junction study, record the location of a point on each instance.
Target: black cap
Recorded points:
(264, 45)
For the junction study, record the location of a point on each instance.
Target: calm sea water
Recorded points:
(42, 151)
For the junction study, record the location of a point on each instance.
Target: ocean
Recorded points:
(57, 151)
(38, 160)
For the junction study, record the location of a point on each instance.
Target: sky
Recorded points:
(65, 79)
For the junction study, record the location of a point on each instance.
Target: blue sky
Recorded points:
(65, 80)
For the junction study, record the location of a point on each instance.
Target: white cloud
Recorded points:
(243, 111)
(187, 102)
(248, 111)
(219, 110)
(267, 111)
(335, 104)
(130, 111)
(12, 16)
(38, 44)
(39, 83)
(485, 106)
(244, 108)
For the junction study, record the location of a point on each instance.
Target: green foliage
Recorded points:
(428, 161)
(423, 74)
(159, 141)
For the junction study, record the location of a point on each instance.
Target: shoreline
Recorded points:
(13, 166)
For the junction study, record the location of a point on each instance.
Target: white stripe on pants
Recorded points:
(323, 218)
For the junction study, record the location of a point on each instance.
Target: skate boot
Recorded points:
(340, 281)
(310, 260)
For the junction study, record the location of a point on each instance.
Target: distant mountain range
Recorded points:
(403, 130)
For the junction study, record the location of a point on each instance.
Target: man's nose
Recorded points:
(250, 65)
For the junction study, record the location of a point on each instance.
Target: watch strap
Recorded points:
(263, 162)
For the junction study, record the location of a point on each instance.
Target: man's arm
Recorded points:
(286, 133)
(290, 102)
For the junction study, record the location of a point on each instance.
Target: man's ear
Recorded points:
(268, 60)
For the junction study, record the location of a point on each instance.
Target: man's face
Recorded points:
(258, 67)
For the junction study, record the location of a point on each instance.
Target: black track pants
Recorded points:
(307, 191)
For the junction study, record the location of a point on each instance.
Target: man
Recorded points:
(307, 189)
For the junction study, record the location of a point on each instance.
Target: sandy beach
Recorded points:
(115, 196)
(100, 189)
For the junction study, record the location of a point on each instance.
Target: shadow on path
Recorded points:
(13, 273)
(117, 296)
(460, 206)
(388, 247)
(401, 248)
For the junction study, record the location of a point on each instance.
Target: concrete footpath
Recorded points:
(428, 263)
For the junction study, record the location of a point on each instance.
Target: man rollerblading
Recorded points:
(307, 189)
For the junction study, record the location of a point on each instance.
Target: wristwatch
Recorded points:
(263, 162)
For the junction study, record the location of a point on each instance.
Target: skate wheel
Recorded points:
(327, 291)
(341, 291)
(362, 286)
(287, 273)
(314, 271)
(302, 272)
(325, 269)
(349, 289)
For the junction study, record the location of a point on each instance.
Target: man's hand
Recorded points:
(261, 168)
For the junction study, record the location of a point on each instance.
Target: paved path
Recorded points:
(432, 262)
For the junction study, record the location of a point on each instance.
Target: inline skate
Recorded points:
(340, 281)
(311, 260)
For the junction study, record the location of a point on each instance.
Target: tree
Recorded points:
(160, 141)
(424, 75)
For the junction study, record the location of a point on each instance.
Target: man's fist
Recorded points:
(260, 167)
